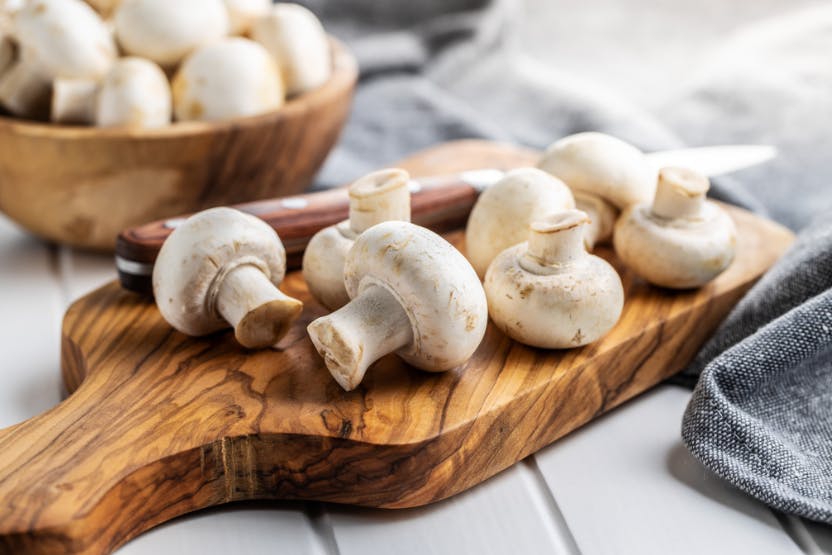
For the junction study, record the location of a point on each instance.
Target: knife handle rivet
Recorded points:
(294, 203)
(173, 223)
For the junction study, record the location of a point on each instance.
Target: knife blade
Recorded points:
(440, 203)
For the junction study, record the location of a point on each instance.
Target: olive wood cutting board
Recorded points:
(160, 424)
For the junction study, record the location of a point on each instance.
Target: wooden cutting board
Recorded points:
(160, 424)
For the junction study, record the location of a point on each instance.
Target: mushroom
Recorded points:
(135, 93)
(166, 31)
(73, 100)
(104, 7)
(297, 40)
(229, 78)
(550, 292)
(605, 175)
(501, 216)
(377, 197)
(63, 39)
(413, 294)
(242, 13)
(221, 268)
(682, 240)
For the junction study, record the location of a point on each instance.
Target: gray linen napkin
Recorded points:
(437, 70)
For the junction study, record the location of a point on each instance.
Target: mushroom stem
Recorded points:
(602, 216)
(73, 100)
(557, 239)
(350, 339)
(25, 91)
(381, 196)
(259, 312)
(680, 194)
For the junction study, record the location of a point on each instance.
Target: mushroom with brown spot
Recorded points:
(220, 269)
(501, 216)
(605, 174)
(297, 40)
(232, 77)
(413, 294)
(550, 292)
(681, 240)
(377, 197)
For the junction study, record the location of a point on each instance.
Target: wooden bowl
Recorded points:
(82, 185)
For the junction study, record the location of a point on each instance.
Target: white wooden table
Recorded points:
(623, 484)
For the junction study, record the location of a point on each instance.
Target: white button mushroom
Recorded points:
(413, 294)
(502, 214)
(682, 240)
(229, 78)
(57, 39)
(377, 197)
(242, 13)
(550, 292)
(604, 173)
(73, 100)
(135, 93)
(297, 40)
(221, 268)
(165, 31)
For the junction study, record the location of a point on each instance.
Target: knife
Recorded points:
(441, 203)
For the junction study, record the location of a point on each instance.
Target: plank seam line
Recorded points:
(555, 514)
(318, 517)
(797, 531)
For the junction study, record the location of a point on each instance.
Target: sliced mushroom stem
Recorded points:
(25, 91)
(381, 196)
(680, 193)
(259, 312)
(557, 239)
(602, 216)
(73, 100)
(372, 325)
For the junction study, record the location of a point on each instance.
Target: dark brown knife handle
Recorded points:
(439, 203)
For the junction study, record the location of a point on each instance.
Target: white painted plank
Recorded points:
(508, 514)
(250, 529)
(81, 272)
(817, 536)
(626, 484)
(30, 317)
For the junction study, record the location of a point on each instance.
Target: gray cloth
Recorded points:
(432, 71)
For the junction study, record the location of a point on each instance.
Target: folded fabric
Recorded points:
(437, 70)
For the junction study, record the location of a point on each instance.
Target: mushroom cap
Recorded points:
(207, 244)
(502, 214)
(64, 38)
(564, 307)
(135, 93)
(602, 165)
(165, 31)
(229, 78)
(298, 41)
(323, 264)
(435, 285)
(678, 253)
(242, 13)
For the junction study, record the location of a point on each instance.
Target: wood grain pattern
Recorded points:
(82, 185)
(161, 424)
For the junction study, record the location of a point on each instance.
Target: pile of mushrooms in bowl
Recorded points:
(395, 287)
(123, 111)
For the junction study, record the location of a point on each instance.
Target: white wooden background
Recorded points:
(623, 484)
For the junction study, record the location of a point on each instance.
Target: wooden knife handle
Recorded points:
(439, 203)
